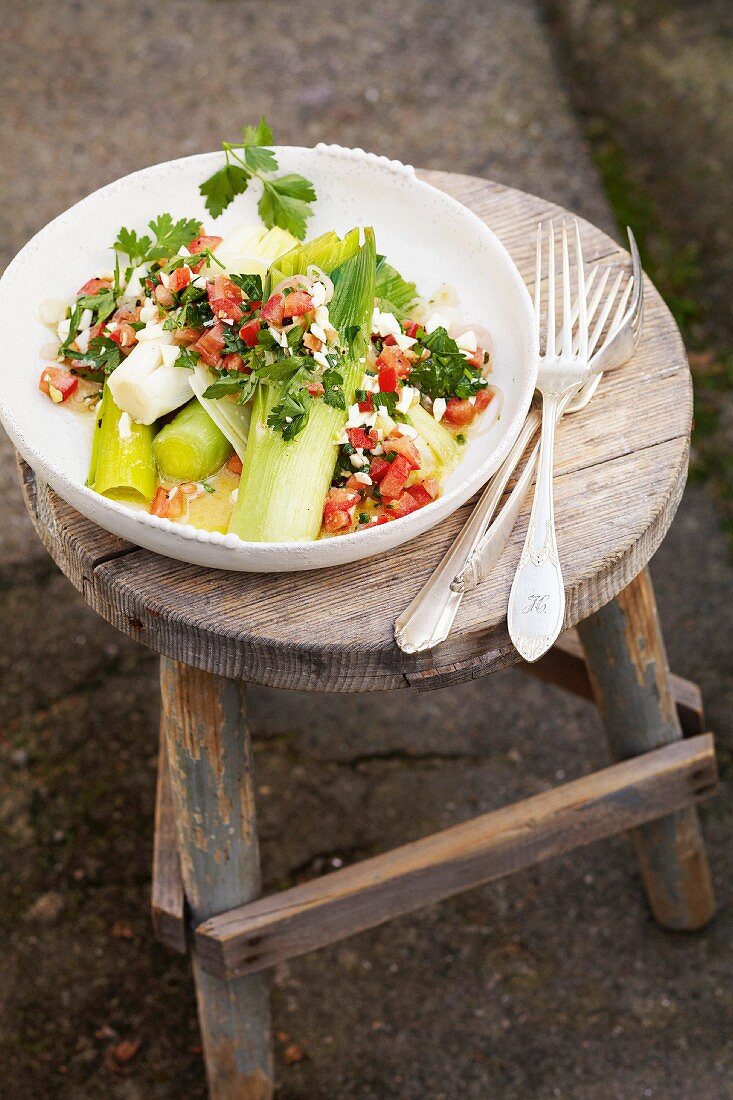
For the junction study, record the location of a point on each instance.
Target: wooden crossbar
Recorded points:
(295, 921)
(565, 666)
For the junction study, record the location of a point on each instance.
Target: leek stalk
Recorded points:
(283, 485)
(123, 463)
(230, 417)
(191, 447)
(441, 442)
(327, 252)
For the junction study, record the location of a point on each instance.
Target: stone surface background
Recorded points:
(554, 983)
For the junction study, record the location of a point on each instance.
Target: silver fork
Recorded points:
(428, 619)
(618, 347)
(537, 598)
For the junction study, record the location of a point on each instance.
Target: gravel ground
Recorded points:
(555, 983)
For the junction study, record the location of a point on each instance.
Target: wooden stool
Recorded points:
(621, 469)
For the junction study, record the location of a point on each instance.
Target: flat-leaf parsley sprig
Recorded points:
(285, 200)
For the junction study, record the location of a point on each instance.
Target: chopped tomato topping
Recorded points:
(235, 464)
(168, 506)
(224, 298)
(93, 286)
(394, 480)
(404, 504)
(316, 389)
(396, 358)
(250, 331)
(57, 383)
(338, 511)
(274, 309)
(360, 438)
(378, 467)
(405, 447)
(297, 303)
(379, 520)
(124, 335)
(389, 340)
(159, 504)
(460, 412)
(179, 279)
(210, 344)
(366, 406)
(199, 244)
(411, 328)
(185, 336)
(312, 342)
(424, 491)
(163, 296)
(357, 486)
(388, 380)
(477, 359)
(235, 362)
(484, 398)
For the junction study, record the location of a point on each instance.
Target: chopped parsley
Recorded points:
(446, 372)
(167, 237)
(290, 416)
(102, 357)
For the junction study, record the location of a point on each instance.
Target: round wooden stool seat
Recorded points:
(620, 471)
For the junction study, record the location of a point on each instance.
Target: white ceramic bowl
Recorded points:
(427, 235)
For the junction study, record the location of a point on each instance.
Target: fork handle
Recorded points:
(537, 598)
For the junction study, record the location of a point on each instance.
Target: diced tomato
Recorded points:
(316, 389)
(179, 279)
(404, 447)
(93, 286)
(366, 406)
(312, 342)
(210, 344)
(224, 298)
(477, 359)
(362, 439)
(199, 244)
(424, 491)
(250, 331)
(185, 336)
(396, 358)
(235, 362)
(273, 310)
(124, 335)
(339, 508)
(411, 328)
(484, 398)
(163, 296)
(389, 340)
(459, 412)
(388, 380)
(379, 520)
(357, 486)
(297, 303)
(404, 504)
(235, 464)
(378, 467)
(57, 383)
(394, 480)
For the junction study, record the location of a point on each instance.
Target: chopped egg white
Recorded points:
(149, 311)
(404, 343)
(51, 311)
(63, 327)
(355, 415)
(467, 341)
(134, 288)
(369, 383)
(472, 400)
(153, 331)
(169, 354)
(439, 407)
(363, 478)
(124, 426)
(321, 359)
(385, 324)
(82, 340)
(357, 460)
(318, 332)
(407, 398)
(86, 319)
(318, 294)
(436, 321)
(233, 495)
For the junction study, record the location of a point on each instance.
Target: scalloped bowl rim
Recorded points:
(189, 543)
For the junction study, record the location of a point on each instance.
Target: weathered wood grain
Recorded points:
(210, 770)
(626, 455)
(565, 666)
(263, 933)
(168, 900)
(628, 669)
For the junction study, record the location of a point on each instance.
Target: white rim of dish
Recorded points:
(231, 541)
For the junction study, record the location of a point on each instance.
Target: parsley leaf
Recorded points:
(250, 285)
(168, 237)
(333, 394)
(221, 188)
(103, 303)
(386, 401)
(285, 202)
(290, 416)
(227, 384)
(445, 373)
(187, 357)
(103, 355)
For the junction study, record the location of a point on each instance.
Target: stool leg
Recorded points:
(627, 665)
(211, 778)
